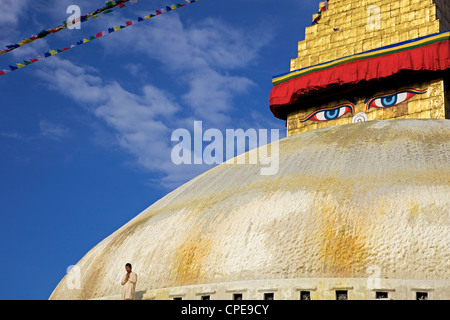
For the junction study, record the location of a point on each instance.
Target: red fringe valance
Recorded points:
(431, 57)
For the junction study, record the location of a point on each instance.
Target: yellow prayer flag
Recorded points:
(85, 40)
(53, 52)
(20, 65)
(173, 7)
(116, 28)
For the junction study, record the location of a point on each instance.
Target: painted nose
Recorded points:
(359, 117)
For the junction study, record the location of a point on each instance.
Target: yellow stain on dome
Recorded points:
(191, 257)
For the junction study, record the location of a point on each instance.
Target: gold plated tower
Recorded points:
(348, 28)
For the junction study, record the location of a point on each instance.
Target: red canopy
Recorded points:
(431, 53)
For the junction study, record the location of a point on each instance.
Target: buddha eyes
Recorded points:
(329, 114)
(394, 99)
(380, 101)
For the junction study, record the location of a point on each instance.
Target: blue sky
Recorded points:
(85, 136)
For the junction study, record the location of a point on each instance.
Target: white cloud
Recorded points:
(201, 56)
(52, 130)
(11, 11)
(211, 94)
(143, 119)
(135, 69)
(12, 135)
(73, 81)
(142, 122)
(209, 42)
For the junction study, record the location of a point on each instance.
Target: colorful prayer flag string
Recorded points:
(109, 5)
(323, 6)
(98, 35)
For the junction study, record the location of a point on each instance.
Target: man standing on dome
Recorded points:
(129, 283)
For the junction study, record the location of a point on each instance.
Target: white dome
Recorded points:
(346, 199)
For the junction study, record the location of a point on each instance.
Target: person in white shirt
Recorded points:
(129, 283)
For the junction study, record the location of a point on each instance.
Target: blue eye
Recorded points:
(329, 114)
(390, 100)
(393, 99)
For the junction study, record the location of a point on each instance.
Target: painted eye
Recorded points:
(329, 114)
(394, 99)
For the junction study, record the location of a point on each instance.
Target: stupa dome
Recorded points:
(359, 207)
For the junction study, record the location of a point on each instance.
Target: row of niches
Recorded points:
(371, 288)
(306, 295)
